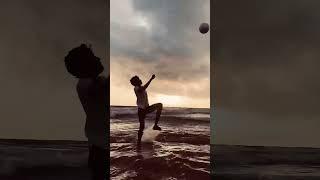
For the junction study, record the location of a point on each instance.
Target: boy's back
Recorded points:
(93, 96)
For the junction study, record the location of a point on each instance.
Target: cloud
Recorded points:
(266, 56)
(167, 44)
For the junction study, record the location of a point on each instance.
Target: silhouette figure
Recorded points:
(92, 90)
(143, 104)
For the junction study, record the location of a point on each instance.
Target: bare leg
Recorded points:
(140, 132)
(142, 116)
(158, 113)
(152, 108)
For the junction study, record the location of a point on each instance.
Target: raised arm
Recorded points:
(148, 83)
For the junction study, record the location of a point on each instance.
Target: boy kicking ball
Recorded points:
(143, 104)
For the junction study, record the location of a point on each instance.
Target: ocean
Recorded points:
(235, 162)
(43, 159)
(180, 151)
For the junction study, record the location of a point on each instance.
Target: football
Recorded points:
(204, 28)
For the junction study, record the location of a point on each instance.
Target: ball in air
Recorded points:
(204, 28)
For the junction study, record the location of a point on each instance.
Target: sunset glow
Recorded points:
(169, 101)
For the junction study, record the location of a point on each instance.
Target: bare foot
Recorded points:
(156, 127)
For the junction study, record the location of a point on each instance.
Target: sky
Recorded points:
(38, 96)
(267, 72)
(160, 37)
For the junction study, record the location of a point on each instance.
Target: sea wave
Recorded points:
(180, 151)
(185, 114)
(156, 161)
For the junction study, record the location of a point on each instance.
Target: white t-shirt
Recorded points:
(142, 97)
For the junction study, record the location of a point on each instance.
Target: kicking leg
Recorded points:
(152, 108)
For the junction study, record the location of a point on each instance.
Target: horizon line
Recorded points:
(163, 106)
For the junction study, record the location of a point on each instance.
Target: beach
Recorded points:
(180, 151)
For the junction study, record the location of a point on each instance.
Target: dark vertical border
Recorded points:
(108, 35)
(212, 77)
(107, 31)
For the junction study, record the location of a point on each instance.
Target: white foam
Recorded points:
(149, 135)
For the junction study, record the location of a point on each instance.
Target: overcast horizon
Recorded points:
(162, 38)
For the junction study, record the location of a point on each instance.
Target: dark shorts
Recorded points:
(143, 112)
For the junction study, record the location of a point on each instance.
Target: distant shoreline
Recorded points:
(40, 141)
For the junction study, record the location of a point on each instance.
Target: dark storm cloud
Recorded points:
(38, 97)
(175, 25)
(172, 47)
(267, 56)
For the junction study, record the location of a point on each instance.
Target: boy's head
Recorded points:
(82, 63)
(135, 81)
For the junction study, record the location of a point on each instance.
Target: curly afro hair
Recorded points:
(82, 63)
(135, 81)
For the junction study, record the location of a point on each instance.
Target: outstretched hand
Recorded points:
(147, 84)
